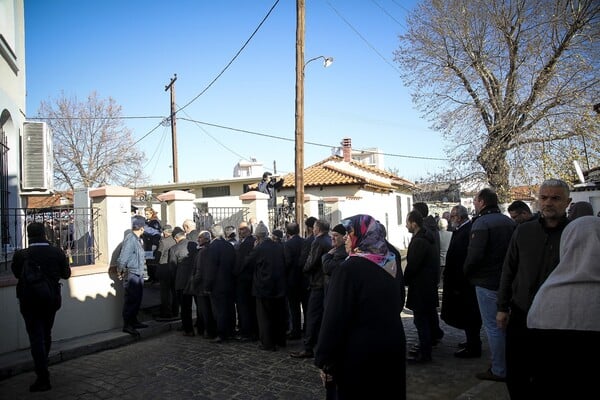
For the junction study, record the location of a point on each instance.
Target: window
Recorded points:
(399, 209)
(4, 192)
(215, 191)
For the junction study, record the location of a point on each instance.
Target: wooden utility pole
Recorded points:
(299, 133)
(171, 86)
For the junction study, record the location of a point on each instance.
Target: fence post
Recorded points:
(258, 205)
(114, 206)
(180, 206)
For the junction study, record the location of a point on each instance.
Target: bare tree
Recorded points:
(92, 147)
(511, 83)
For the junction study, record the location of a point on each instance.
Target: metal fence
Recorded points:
(71, 229)
(224, 216)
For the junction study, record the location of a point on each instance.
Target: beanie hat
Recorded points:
(137, 222)
(168, 228)
(339, 228)
(278, 233)
(261, 230)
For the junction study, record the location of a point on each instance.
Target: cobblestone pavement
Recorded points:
(171, 366)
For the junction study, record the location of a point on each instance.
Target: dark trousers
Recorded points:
(473, 335)
(134, 290)
(186, 301)
(169, 305)
(314, 318)
(424, 321)
(298, 303)
(246, 310)
(209, 324)
(38, 323)
(519, 356)
(271, 315)
(223, 308)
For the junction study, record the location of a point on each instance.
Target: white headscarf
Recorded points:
(570, 297)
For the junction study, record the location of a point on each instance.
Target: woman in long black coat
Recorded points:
(362, 345)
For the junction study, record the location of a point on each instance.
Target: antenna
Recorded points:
(579, 171)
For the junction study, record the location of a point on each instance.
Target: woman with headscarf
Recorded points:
(361, 347)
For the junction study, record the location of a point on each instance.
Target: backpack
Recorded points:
(36, 287)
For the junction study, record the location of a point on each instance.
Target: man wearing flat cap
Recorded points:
(334, 257)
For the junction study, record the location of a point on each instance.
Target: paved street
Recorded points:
(171, 366)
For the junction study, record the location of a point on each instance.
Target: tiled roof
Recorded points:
(334, 171)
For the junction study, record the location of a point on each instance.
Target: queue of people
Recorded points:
(529, 280)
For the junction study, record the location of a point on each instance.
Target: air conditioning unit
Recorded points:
(37, 158)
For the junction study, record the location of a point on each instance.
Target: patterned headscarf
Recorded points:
(368, 241)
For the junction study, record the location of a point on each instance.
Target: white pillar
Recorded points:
(180, 206)
(258, 205)
(114, 204)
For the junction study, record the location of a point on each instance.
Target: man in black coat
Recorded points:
(181, 259)
(268, 286)
(296, 283)
(314, 269)
(221, 283)
(459, 302)
(421, 276)
(38, 313)
(245, 301)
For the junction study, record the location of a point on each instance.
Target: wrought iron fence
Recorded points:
(281, 214)
(224, 216)
(71, 229)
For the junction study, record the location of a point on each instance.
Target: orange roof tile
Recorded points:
(334, 171)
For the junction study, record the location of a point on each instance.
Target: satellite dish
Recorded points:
(579, 171)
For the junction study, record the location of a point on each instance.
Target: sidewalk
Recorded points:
(445, 378)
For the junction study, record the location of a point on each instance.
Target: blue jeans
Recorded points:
(496, 336)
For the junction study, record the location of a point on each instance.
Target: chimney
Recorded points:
(347, 149)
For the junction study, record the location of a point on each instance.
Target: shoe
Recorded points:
(468, 353)
(489, 376)
(40, 386)
(419, 358)
(139, 325)
(302, 354)
(189, 334)
(131, 330)
(218, 339)
(243, 339)
(267, 348)
(462, 345)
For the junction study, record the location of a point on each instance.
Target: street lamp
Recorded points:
(299, 137)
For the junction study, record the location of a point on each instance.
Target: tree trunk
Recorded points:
(493, 160)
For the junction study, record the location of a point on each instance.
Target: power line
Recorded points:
(220, 73)
(362, 37)
(388, 14)
(233, 59)
(310, 143)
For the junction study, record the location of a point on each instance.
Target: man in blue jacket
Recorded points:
(490, 236)
(131, 264)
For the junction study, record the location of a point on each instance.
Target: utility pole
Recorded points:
(171, 86)
(299, 133)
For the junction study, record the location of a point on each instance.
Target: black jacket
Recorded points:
(221, 261)
(52, 261)
(422, 271)
(269, 269)
(313, 267)
(181, 259)
(532, 255)
(490, 235)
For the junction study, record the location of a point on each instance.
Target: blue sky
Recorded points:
(129, 50)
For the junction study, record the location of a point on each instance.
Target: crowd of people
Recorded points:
(529, 280)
